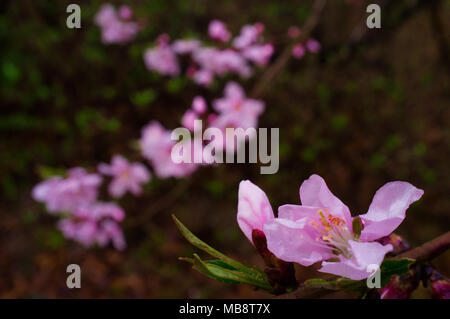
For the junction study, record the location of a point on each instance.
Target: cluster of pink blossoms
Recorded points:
(89, 221)
(206, 62)
(321, 229)
(85, 219)
(116, 25)
(232, 110)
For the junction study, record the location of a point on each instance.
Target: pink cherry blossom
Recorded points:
(203, 77)
(249, 34)
(66, 194)
(125, 12)
(162, 59)
(254, 209)
(126, 176)
(113, 24)
(99, 210)
(217, 30)
(185, 46)
(220, 62)
(95, 223)
(259, 54)
(236, 110)
(156, 146)
(321, 229)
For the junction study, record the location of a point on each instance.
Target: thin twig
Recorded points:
(428, 250)
(270, 74)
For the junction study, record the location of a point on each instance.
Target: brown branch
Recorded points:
(428, 250)
(270, 74)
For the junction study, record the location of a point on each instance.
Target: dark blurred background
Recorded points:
(371, 107)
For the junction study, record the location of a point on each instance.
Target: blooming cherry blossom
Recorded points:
(156, 145)
(126, 176)
(115, 25)
(321, 229)
(217, 30)
(66, 194)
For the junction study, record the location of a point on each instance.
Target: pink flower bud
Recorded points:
(125, 12)
(298, 51)
(294, 32)
(312, 45)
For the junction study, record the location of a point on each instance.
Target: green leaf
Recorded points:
(391, 267)
(217, 269)
(194, 240)
(224, 268)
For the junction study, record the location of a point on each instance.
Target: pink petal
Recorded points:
(296, 212)
(234, 91)
(289, 241)
(254, 208)
(388, 208)
(140, 173)
(117, 187)
(314, 192)
(104, 169)
(364, 254)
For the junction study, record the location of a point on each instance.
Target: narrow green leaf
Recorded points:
(215, 271)
(194, 240)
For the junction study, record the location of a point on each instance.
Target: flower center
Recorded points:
(332, 233)
(125, 174)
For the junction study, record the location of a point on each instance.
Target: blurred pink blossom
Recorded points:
(156, 146)
(66, 194)
(294, 32)
(188, 119)
(199, 105)
(162, 59)
(113, 26)
(298, 51)
(236, 110)
(125, 12)
(217, 30)
(203, 77)
(185, 46)
(312, 45)
(126, 176)
(259, 54)
(220, 62)
(249, 34)
(95, 224)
